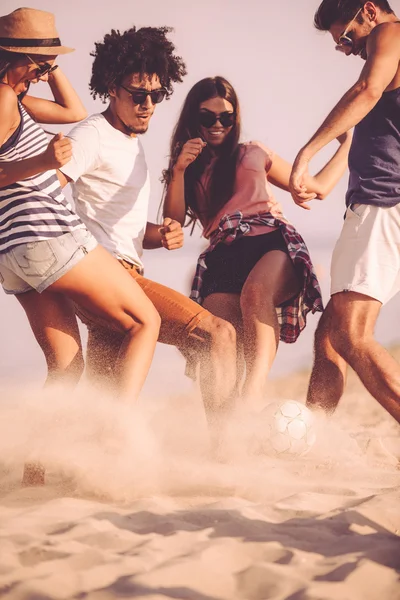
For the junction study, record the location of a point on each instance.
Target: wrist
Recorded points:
(307, 152)
(43, 163)
(178, 171)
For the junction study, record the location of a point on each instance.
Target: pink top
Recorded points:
(252, 192)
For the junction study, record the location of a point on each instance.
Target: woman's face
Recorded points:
(26, 71)
(215, 133)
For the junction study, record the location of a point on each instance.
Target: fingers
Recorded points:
(196, 142)
(172, 243)
(171, 225)
(172, 235)
(302, 202)
(303, 205)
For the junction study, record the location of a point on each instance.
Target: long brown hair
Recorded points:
(7, 61)
(188, 127)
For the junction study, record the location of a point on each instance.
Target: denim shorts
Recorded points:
(36, 265)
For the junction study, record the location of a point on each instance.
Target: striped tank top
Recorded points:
(33, 209)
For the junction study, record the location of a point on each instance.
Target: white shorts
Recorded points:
(366, 258)
(36, 265)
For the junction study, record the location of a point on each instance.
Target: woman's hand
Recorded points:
(58, 152)
(190, 151)
(297, 187)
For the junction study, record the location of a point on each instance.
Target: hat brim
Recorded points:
(43, 50)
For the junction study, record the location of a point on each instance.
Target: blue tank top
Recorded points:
(374, 159)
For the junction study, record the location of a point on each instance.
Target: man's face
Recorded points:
(354, 31)
(135, 116)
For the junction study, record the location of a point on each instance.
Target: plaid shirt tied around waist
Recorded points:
(292, 315)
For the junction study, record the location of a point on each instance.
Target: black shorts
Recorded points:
(228, 266)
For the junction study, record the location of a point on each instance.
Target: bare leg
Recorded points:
(328, 376)
(272, 281)
(217, 352)
(227, 307)
(352, 335)
(101, 356)
(103, 287)
(53, 322)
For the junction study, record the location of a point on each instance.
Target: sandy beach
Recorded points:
(140, 509)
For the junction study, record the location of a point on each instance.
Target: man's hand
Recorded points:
(296, 184)
(171, 234)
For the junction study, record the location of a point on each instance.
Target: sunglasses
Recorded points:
(208, 119)
(345, 40)
(44, 69)
(140, 96)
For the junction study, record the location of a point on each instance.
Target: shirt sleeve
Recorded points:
(265, 153)
(85, 151)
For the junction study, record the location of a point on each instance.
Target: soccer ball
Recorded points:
(286, 428)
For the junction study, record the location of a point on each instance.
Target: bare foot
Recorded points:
(33, 474)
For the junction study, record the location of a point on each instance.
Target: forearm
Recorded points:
(66, 106)
(174, 202)
(152, 237)
(22, 169)
(323, 182)
(63, 92)
(350, 110)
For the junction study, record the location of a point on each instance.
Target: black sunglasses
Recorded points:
(44, 69)
(140, 96)
(208, 119)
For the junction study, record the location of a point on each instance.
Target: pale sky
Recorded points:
(288, 77)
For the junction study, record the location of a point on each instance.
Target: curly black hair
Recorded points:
(145, 51)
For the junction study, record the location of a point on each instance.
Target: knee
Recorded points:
(222, 334)
(344, 341)
(149, 322)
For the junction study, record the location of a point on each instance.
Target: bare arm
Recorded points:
(320, 184)
(383, 50)
(57, 153)
(174, 201)
(66, 106)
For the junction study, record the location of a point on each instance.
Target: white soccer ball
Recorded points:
(286, 428)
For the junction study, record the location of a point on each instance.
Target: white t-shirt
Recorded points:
(111, 188)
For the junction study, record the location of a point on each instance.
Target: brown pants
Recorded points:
(180, 316)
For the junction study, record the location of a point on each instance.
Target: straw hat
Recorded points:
(30, 31)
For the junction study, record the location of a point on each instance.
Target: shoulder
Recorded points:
(257, 150)
(88, 129)
(385, 33)
(257, 147)
(8, 99)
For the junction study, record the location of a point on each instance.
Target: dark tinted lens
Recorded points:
(207, 119)
(157, 96)
(345, 40)
(44, 69)
(226, 119)
(138, 97)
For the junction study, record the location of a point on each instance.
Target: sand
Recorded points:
(137, 507)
